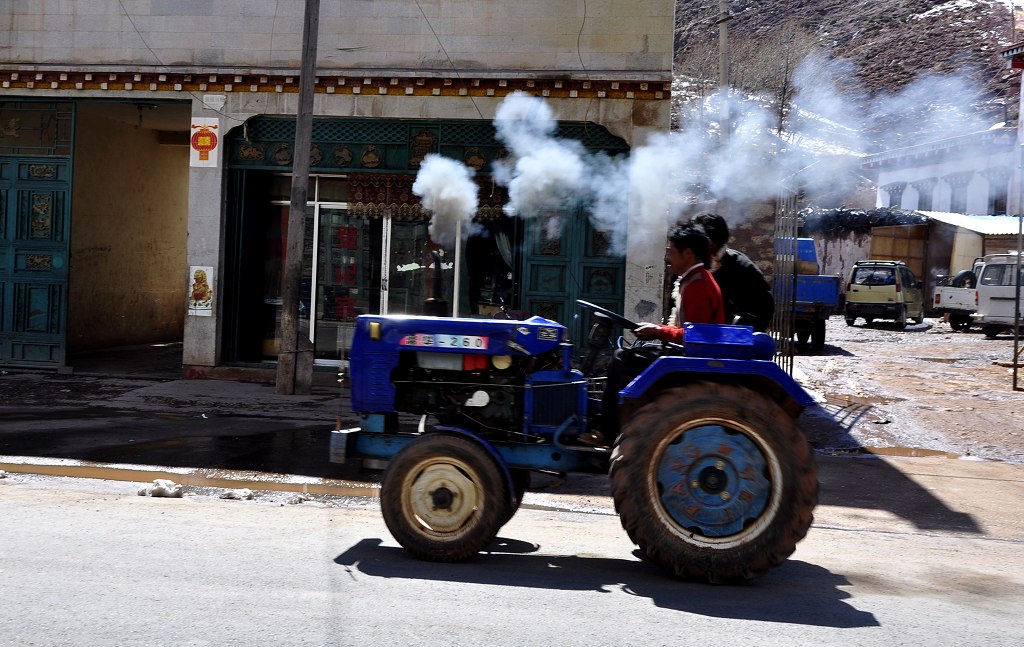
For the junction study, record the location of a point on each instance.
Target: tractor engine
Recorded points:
(484, 393)
(493, 377)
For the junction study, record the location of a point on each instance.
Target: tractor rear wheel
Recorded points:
(714, 482)
(444, 498)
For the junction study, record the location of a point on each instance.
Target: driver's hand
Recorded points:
(646, 331)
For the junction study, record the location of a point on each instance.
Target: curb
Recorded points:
(192, 477)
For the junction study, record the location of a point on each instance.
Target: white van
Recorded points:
(998, 283)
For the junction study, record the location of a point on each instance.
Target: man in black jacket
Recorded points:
(747, 295)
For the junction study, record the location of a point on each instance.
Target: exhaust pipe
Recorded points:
(436, 305)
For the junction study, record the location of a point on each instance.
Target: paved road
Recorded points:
(913, 551)
(89, 562)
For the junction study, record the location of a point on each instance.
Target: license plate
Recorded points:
(463, 342)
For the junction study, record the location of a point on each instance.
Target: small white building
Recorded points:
(970, 174)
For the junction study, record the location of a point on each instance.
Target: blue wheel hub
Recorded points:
(713, 481)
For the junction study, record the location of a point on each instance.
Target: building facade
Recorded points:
(146, 146)
(970, 174)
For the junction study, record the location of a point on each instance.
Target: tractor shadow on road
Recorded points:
(850, 477)
(854, 477)
(794, 593)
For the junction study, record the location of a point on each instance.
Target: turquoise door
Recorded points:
(566, 259)
(34, 232)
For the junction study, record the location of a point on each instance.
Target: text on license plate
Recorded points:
(468, 342)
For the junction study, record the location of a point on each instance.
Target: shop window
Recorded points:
(489, 268)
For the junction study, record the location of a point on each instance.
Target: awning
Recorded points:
(989, 225)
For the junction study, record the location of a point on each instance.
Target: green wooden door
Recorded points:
(566, 259)
(34, 231)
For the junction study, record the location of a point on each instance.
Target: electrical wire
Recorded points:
(167, 67)
(451, 63)
(583, 66)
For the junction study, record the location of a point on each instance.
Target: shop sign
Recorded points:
(204, 144)
(200, 292)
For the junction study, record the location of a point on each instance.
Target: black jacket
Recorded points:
(745, 291)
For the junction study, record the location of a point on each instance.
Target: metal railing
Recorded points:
(787, 222)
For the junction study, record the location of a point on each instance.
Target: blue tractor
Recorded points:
(711, 476)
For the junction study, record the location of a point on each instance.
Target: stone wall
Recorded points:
(453, 37)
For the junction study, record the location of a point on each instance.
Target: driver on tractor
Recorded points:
(698, 299)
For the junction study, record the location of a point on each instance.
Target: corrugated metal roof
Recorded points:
(993, 225)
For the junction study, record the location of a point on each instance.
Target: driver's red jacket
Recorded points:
(698, 300)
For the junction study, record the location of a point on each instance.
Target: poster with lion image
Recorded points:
(200, 293)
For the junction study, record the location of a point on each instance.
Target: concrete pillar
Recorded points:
(201, 341)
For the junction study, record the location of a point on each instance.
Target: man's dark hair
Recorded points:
(715, 226)
(692, 237)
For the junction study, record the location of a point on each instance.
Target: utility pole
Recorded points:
(295, 358)
(1018, 351)
(724, 127)
(723, 63)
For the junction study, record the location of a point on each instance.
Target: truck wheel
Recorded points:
(801, 338)
(959, 322)
(990, 332)
(714, 482)
(850, 320)
(818, 335)
(444, 498)
(964, 279)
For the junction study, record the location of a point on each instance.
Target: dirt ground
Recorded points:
(918, 391)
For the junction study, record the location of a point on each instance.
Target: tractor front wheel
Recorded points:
(714, 482)
(444, 498)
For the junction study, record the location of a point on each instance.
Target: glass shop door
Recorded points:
(341, 278)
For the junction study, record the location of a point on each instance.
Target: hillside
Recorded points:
(887, 48)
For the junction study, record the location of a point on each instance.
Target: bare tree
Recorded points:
(769, 62)
(762, 64)
(696, 66)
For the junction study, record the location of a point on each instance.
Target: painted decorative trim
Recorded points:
(328, 84)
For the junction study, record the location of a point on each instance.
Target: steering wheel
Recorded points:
(608, 314)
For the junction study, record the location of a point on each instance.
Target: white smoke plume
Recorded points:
(449, 194)
(544, 172)
(649, 190)
(940, 105)
(662, 180)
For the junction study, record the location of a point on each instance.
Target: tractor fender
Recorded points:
(676, 368)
